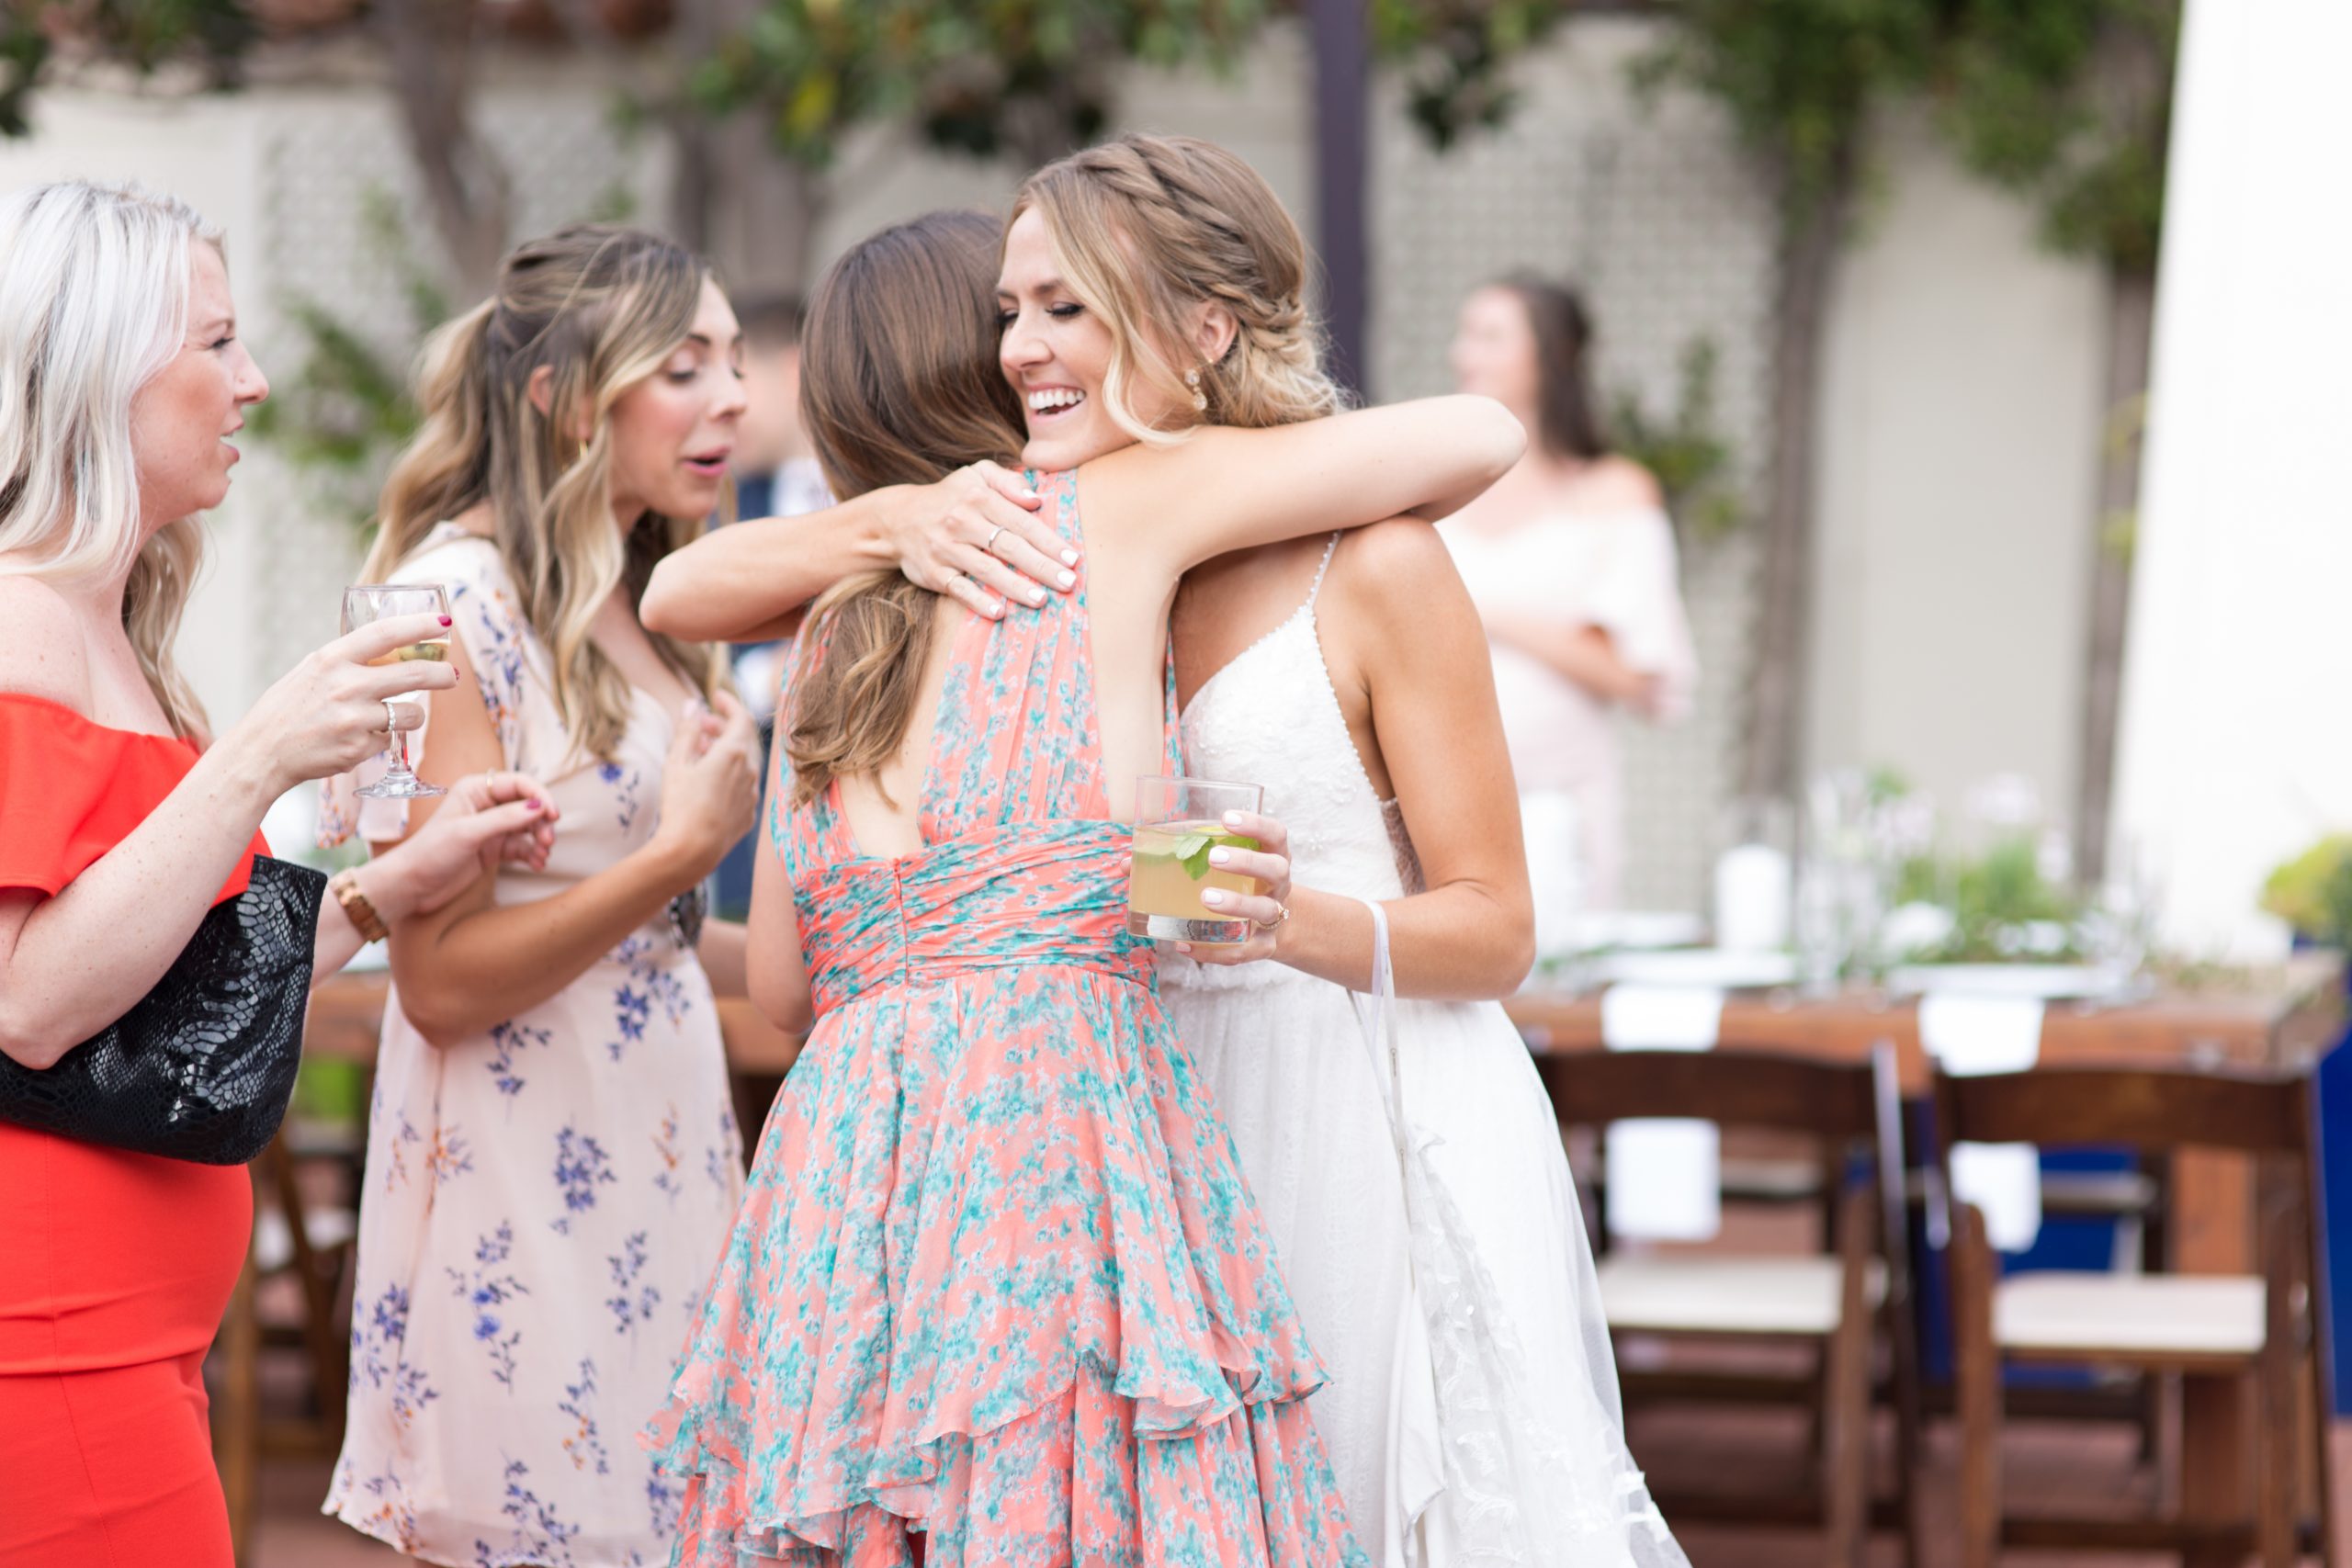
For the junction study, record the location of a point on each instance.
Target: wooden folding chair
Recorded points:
(2266, 1330)
(1842, 1301)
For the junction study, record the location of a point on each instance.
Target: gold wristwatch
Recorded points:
(344, 886)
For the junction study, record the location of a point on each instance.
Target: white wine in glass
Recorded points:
(382, 601)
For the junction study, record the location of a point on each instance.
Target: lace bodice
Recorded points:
(1272, 717)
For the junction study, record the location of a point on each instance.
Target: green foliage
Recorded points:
(977, 77)
(2068, 103)
(1798, 77)
(1997, 901)
(1687, 450)
(1454, 55)
(2313, 893)
(146, 35)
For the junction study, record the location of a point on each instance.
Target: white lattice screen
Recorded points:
(1653, 215)
(1650, 211)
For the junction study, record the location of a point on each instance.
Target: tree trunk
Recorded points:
(430, 47)
(2131, 325)
(762, 210)
(1342, 132)
(1811, 238)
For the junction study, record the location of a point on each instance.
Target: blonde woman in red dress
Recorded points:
(121, 380)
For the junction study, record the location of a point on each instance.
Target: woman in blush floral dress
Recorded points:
(998, 1280)
(552, 1162)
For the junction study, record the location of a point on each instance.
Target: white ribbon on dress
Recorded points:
(1527, 1488)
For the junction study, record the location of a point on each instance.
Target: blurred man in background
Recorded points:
(775, 476)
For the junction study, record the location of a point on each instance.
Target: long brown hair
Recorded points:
(1146, 228)
(1567, 417)
(898, 384)
(601, 306)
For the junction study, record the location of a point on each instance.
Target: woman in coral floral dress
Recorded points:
(996, 1278)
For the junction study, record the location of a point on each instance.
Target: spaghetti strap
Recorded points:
(1315, 587)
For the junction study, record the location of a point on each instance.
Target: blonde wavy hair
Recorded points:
(95, 286)
(1145, 229)
(601, 308)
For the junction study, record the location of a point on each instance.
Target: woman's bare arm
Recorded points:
(70, 965)
(473, 963)
(1414, 641)
(749, 582)
(1223, 490)
(776, 974)
(721, 951)
(1584, 653)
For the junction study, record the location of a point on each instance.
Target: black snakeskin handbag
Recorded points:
(202, 1067)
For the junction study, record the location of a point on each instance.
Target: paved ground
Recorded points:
(2045, 1462)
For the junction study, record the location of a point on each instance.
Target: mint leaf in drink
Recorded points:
(1193, 850)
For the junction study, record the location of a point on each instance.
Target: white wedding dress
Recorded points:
(1414, 1181)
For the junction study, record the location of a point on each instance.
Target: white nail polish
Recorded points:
(1220, 857)
(1066, 578)
(1036, 595)
(1212, 897)
(1070, 557)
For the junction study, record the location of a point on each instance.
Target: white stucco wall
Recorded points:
(1958, 443)
(2236, 750)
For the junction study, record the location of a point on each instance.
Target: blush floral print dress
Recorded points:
(997, 1278)
(545, 1202)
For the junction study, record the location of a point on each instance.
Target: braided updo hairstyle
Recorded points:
(1146, 228)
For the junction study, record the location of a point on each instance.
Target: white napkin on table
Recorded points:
(1664, 1174)
(1974, 1035)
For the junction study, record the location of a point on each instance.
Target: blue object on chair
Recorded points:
(2336, 1187)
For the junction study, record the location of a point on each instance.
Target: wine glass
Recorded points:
(382, 601)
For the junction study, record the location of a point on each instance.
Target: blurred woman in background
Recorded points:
(1570, 560)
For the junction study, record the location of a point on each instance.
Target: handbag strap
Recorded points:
(1378, 1012)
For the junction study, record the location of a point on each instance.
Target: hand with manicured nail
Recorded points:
(978, 536)
(1265, 910)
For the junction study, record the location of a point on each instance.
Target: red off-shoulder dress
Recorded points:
(114, 1268)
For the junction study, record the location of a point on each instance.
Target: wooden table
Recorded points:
(2288, 1020)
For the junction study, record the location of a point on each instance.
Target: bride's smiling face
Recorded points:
(1056, 351)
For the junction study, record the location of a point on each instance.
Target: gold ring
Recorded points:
(1282, 913)
(989, 548)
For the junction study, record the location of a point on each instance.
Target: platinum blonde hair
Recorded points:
(94, 302)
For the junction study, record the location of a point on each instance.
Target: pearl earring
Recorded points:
(1200, 399)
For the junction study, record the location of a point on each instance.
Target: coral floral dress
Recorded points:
(997, 1278)
(114, 1267)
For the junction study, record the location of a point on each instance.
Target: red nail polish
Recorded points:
(445, 621)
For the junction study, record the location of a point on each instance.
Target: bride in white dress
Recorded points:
(1473, 1413)
(1403, 1154)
